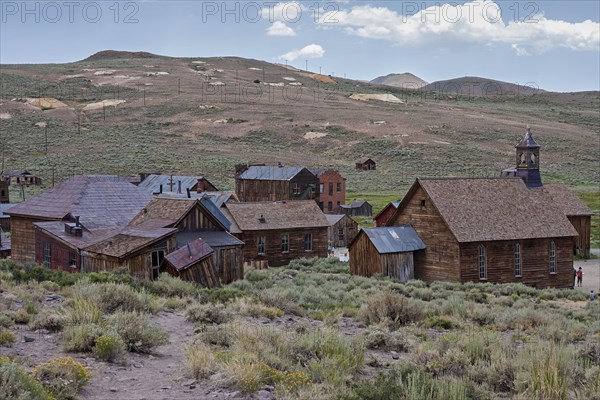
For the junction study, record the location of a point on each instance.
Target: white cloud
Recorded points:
(310, 51)
(280, 29)
(473, 23)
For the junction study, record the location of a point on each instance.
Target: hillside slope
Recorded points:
(405, 80)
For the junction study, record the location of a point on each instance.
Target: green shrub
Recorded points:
(16, 384)
(63, 377)
(20, 316)
(168, 286)
(6, 321)
(49, 319)
(109, 347)
(279, 301)
(82, 337)
(219, 295)
(439, 322)
(6, 337)
(385, 386)
(390, 308)
(200, 361)
(111, 296)
(208, 314)
(136, 331)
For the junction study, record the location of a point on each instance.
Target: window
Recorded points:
(321, 188)
(330, 206)
(285, 243)
(422, 204)
(339, 187)
(157, 258)
(72, 259)
(517, 260)
(296, 188)
(341, 234)
(331, 189)
(338, 205)
(308, 242)
(552, 257)
(261, 245)
(321, 205)
(482, 263)
(47, 255)
(3, 193)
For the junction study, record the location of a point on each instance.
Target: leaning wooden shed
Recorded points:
(388, 251)
(342, 230)
(193, 262)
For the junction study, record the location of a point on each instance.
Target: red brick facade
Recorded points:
(333, 191)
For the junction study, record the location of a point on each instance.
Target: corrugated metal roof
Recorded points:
(395, 239)
(270, 172)
(152, 183)
(188, 254)
(212, 208)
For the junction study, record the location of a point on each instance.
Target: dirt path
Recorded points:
(591, 273)
(154, 377)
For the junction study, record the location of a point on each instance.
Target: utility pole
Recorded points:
(178, 86)
(53, 176)
(46, 136)
(144, 96)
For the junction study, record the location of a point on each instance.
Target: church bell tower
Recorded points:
(528, 160)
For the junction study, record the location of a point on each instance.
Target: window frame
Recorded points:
(72, 259)
(518, 260)
(47, 254)
(339, 187)
(261, 241)
(482, 263)
(330, 206)
(308, 242)
(341, 234)
(552, 257)
(285, 243)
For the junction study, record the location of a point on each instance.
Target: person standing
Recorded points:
(592, 295)
(579, 277)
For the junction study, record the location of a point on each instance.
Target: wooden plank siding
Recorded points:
(582, 224)
(441, 260)
(365, 260)
(249, 190)
(229, 262)
(399, 266)
(273, 253)
(23, 237)
(196, 219)
(349, 229)
(535, 262)
(60, 253)
(203, 272)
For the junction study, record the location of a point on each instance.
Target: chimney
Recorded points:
(178, 186)
(262, 219)
(189, 194)
(189, 249)
(77, 224)
(160, 189)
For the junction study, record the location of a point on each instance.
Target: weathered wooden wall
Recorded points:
(229, 262)
(365, 260)
(399, 266)
(386, 214)
(273, 253)
(59, 252)
(582, 224)
(269, 190)
(197, 219)
(535, 262)
(350, 228)
(441, 260)
(203, 272)
(23, 238)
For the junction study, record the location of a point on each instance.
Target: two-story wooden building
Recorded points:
(274, 233)
(332, 190)
(275, 183)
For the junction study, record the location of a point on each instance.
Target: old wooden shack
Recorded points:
(155, 183)
(5, 245)
(5, 218)
(274, 233)
(193, 262)
(102, 202)
(488, 230)
(20, 177)
(342, 230)
(275, 183)
(197, 219)
(384, 215)
(4, 193)
(388, 251)
(357, 209)
(366, 165)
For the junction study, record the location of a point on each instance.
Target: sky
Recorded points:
(553, 45)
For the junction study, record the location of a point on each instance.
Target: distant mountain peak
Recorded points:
(405, 80)
(113, 54)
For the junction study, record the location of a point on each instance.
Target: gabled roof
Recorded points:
(394, 239)
(219, 198)
(356, 204)
(492, 209)
(394, 204)
(365, 160)
(214, 239)
(189, 254)
(334, 218)
(277, 215)
(15, 172)
(101, 201)
(167, 212)
(152, 182)
(129, 240)
(271, 172)
(567, 200)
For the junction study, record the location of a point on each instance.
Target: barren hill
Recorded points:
(476, 86)
(405, 80)
(204, 115)
(112, 54)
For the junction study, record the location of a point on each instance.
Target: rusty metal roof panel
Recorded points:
(189, 254)
(395, 239)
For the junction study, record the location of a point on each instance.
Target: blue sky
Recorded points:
(552, 44)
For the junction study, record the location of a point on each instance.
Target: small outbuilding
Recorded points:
(342, 230)
(366, 165)
(385, 214)
(193, 262)
(357, 209)
(388, 251)
(20, 177)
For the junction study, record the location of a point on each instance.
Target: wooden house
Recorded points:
(384, 215)
(366, 165)
(102, 203)
(4, 192)
(20, 177)
(275, 183)
(332, 190)
(387, 251)
(194, 263)
(195, 219)
(488, 230)
(357, 209)
(342, 230)
(578, 214)
(274, 233)
(155, 184)
(5, 218)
